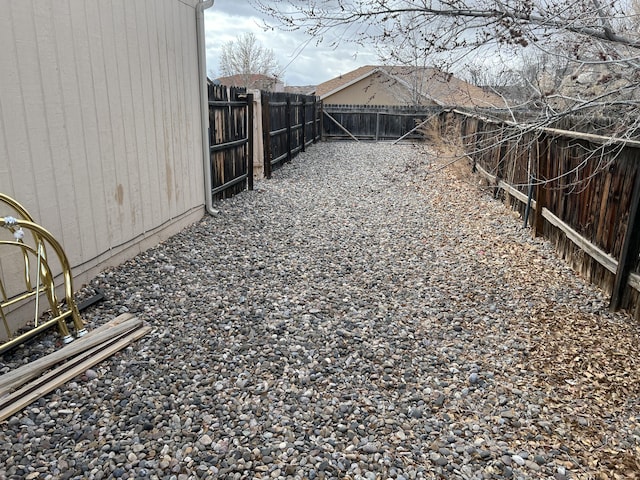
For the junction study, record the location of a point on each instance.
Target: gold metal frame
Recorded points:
(46, 285)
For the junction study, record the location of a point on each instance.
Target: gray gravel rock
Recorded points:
(353, 317)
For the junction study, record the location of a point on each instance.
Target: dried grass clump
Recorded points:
(446, 140)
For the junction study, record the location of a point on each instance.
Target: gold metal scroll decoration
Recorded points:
(32, 241)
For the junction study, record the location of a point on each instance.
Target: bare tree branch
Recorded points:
(246, 56)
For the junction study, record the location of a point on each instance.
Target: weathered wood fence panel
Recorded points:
(230, 120)
(376, 123)
(581, 189)
(290, 122)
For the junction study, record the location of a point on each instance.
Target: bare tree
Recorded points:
(406, 50)
(525, 80)
(246, 56)
(561, 46)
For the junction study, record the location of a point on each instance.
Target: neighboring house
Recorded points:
(252, 81)
(301, 90)
(101, 123)
(403, 85)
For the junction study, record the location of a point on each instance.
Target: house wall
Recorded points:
(376, 89)
(100, 123)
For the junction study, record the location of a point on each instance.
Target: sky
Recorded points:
(302, 61)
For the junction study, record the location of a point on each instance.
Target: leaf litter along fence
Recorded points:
(579, 190)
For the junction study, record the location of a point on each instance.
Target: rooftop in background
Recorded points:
(407, 85)
(252, 81)
(301, 90)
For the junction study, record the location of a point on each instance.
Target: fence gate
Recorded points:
(371, 122)
(230, 132)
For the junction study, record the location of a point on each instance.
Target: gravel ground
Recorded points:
(359, 316)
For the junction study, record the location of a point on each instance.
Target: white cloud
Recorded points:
(304, 62)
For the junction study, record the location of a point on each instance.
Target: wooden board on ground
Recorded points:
(59, 376)
(114, 328)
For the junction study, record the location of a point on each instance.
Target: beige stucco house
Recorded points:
(406, 86)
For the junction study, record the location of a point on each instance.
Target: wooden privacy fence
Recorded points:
(579, 190)
(230, 140)
(290, 122)
(371, 122)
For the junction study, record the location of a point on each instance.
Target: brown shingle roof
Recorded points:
(300, 89)
(344, 80)
(252, 80)
(446, 89)
(438, 86)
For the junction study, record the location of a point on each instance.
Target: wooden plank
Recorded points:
(69, 364)
(541, 188)
(23, 374)
(266, 137)
(339, 125)
(413, 130)
(558, 132)
(250, 121)
(289, 120)
(615, 209)
(515, 193)
(61, 379)
(603, 258)
(505, 186)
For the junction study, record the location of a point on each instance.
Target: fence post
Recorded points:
(304, 125)
(314, 127)
(266, 134)
(502, 156)
(320, 119)
(288, 117)
(542, 159)
(630, 248)
(377, 125)
(250, 138)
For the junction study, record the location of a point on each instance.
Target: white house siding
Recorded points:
(100, 122)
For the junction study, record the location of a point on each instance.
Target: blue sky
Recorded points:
(303, 62)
